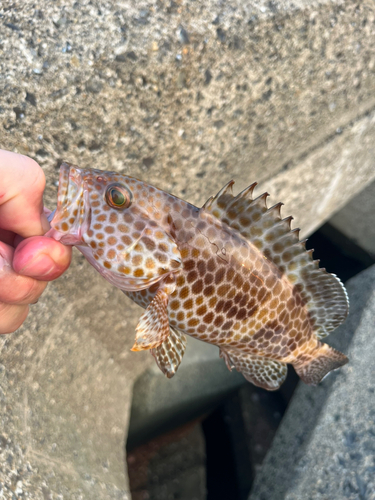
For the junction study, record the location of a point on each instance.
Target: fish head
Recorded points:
(110, 217)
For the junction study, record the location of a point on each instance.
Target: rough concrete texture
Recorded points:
(186, 95)
(209, 90)
(356, 219)
(66, 382)
(325, 446)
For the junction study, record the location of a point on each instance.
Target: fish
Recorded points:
(232, 273)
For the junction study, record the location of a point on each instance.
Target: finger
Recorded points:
(41, 258)
(21, 192)
(14, 288)
(14, 239)
(7, 236)
(12, 317)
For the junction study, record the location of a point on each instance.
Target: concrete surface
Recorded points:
(325, 445)
(186, 95)
(66, 384)
(159, 403)
(190, 95)
(170, 467)
(356, 219)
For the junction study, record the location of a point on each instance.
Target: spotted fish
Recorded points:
(231, 273)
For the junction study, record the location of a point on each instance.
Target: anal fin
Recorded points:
(153, 326)
(168, 355)
(260, 371)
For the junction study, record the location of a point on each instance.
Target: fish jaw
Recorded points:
(72, 216)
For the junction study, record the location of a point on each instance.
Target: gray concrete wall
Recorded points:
(357, 219)
(186, 95)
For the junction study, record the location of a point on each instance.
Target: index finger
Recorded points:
(22, 183)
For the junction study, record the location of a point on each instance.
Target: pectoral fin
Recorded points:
(153, 326)
(168, 355)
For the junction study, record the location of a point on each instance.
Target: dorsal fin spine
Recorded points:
(296, 232)
(302, 244)
(227, 188)
(208, 202)
(263, 197)
(276, 209)
(247, 192)
(288, 220)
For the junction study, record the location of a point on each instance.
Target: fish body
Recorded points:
(231, 273)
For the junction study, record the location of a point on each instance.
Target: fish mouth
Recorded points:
(71, 218)
(62, 194)
(70, 181)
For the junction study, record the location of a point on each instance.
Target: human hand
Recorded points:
(26, 265)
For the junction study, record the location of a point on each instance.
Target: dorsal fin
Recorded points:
(324, 294)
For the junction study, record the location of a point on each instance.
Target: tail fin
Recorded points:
(326, 359)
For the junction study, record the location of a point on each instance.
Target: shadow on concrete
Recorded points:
(283, 461)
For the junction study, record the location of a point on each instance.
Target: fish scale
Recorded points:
(232, 274)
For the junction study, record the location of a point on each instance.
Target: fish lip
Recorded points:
(69, 175)
(71, 187)
(62, 193)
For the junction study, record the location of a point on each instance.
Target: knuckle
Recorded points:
(12, 317)
(25, 291)
(31, 291)
(37, 179)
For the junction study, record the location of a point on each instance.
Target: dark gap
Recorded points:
(238, 435)
(221, 480)
(337, 253)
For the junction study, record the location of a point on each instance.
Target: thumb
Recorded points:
(41, 258)
(21, 192)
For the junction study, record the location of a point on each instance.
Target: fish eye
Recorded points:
(118, 196)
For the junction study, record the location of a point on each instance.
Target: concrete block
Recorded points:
(356, 219)
(66, 394)
(159, 403)
(327, 178)
(170, 466)
(325, 445)
(190, 95)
